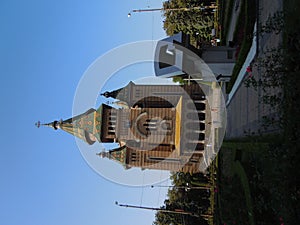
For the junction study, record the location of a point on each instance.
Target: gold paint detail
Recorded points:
(178, 125)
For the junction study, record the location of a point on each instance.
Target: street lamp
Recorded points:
(186, 188)
(175, 211)
(163, 9)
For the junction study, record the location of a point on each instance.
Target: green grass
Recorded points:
(236, 168)
(239, 170)
(261, 164)
(271, 163)
(226, 14)
(292, 106)
(235, 155)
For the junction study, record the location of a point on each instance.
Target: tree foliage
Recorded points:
(188, 19)
(180, 197)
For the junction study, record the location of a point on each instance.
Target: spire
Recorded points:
(86, 126)
(112, 94)
(54, 124)
(117, 154)
(122, 94)
(103, 154)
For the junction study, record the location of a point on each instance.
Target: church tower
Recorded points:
(156, 126)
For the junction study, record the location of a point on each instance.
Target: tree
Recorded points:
(189, 200)
(196, 22)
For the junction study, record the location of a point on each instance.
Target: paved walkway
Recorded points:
(244, 107)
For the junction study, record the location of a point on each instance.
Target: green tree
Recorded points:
(196, 22)
(180, 198)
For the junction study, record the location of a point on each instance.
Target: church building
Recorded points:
(159, 127)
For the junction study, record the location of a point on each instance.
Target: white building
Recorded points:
(175, 56)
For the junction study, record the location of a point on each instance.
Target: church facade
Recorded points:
(156, 126)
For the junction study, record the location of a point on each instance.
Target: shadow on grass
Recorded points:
(239, 170)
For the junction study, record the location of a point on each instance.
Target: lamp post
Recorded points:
(175, 211)
(163, 9)
(186, 188)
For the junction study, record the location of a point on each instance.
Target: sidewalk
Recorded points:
(244, 107)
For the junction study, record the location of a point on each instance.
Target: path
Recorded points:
(244, 107)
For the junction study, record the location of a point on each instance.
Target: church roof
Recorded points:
(122, 94)
(86, 126)
(119, 155)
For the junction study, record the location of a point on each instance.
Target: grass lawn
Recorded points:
(239, 170)
(254, 176)
(292, 108)
(258, 176)
(234, 186)
(225, 18)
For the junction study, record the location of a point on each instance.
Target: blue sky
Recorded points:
(45, 48)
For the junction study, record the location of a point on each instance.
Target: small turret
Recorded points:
(118, 154)
(122, 94)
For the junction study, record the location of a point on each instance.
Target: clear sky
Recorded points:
(45, 48)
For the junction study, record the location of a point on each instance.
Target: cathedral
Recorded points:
(162, 127)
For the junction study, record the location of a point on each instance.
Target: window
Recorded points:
(133, 157)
